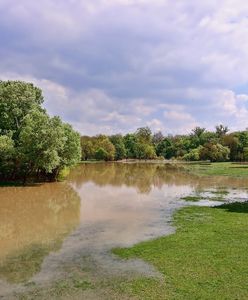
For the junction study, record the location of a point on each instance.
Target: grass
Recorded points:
(21, 266)
(218, 169)
(205, 259)
(193, 198)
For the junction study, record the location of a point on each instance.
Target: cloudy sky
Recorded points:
(115, 65)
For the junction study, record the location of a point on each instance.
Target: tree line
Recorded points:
(32, 144)
(200, 144)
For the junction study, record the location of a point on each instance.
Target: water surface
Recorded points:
(46, 228)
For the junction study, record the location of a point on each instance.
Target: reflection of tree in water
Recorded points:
(33, 222)
(144, 176)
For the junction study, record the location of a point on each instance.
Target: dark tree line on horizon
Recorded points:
(200, 144)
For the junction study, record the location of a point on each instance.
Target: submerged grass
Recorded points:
(218, 169)
(205, 259)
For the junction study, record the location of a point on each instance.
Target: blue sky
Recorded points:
(109, 66)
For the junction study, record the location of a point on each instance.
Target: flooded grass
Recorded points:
(192, 198)
(219, 169)
(205, 259)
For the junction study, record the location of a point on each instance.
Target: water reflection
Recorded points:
(144, 176)
(34, 221)
(101, 206)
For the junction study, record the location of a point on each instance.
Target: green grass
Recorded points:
(193, 198)
(218, 169)
(205, 259)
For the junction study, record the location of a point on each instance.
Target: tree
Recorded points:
(130, 142)
(193, 155)
(31, 142)
(120, 149)
(70, 153)
(103, 142)
(165, 148)
(145, 151)
(87, 148)
(17, 99)
(214, 152)
(101, 154)
(232, 142)
(221, 130)
(144, 135)
(41, 139)
(157, 137)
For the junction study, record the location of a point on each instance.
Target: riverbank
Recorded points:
(205, 259)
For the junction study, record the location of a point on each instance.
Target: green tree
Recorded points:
(17, 99)
(214, 152)
(120, 149)
(31, 142)
(144, 135)
(101, 154)
(130, 142)
(165, 148)
(103, 142)
(87, 148)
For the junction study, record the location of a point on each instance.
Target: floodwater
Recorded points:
(48, 227)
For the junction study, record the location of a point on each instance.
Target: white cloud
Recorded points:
(114, 65)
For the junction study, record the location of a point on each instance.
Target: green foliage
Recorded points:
(214, 152)
(17, 99)
(165, 148)
(120, 149)
(101, 154)
(193, 155)
(32, 144)
(130, 142)
(87, 148)
(145, 151)
(144, 135)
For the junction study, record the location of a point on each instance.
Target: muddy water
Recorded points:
(46, 228)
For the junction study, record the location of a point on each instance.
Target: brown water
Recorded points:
(46, 228)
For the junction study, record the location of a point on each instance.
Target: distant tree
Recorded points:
(221, 130)
(120, 149)
(103, 142)
(157, 137)
(87, 148)
(101, 154)
(144, 135)
(214, 152)
(165, 148)
(193, 155)
(130, 142)
(145, 151)
(232, 142)
(198, 131)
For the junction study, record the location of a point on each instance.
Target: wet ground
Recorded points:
(48, 229)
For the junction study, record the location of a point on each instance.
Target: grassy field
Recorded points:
(218, 169)
(205, 259)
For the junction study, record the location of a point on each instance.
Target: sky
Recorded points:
(112, 66)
